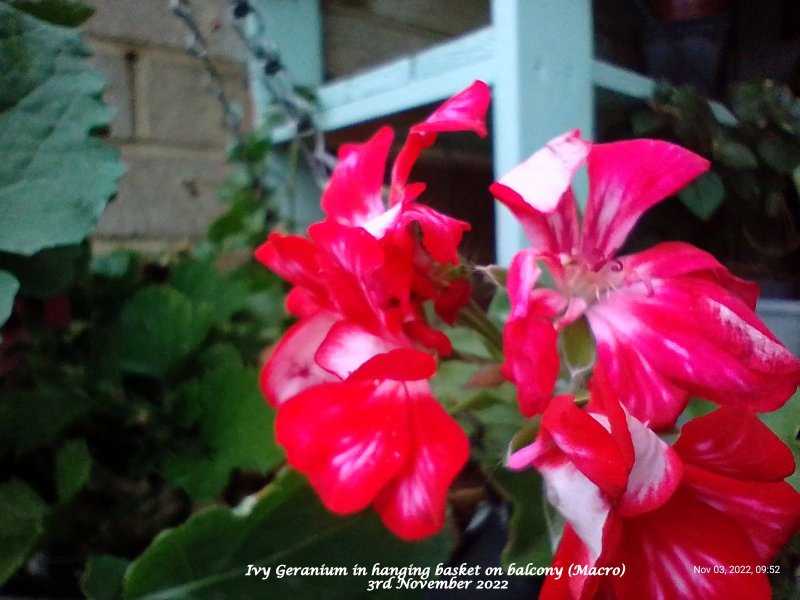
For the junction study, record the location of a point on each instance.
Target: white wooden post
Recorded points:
(543, 87)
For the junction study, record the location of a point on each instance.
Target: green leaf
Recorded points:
(30, 419)
(499, 307)
(48, 273)
(73, 468)
(102, 579)
(785, 422)
(116, 265)
(213, 297)
(209, 556)
(157, 331)
(8, 289)
(528, 535)
(55, 179)
(704, 195)
(22, 513)
(780, 154)
(736, 155)
(235, 430)
(647, 122)
(67, 13)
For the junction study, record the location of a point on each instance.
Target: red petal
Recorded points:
(350, 258)
(349, 439)
(538, 193)
(402, 364)
(768, 513)
(655, 475)
(625, 179)
(466, 111)
(353, 195)
(531, 361)
(572, 551)
(735, 443)
(661, 549)
(294, 258)
(529, 338)
(441, 234)
(670, 259)
(347, 347)
(412, 505)
(291, 368)
(452, 299)
(428, 337)
(688, 332)
(587, 445)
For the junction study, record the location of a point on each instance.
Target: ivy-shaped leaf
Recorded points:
(22, 513)
(8, 289)
(157, 331)
(73, 468)
(210, 555)
(235, 430)
(785, 422)
(55, 179)
(67, 13)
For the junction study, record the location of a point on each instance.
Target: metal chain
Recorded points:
(273, 75)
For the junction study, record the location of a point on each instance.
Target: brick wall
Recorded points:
(167, 122)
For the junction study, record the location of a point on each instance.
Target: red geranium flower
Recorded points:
(355, 411)
(677, 517)
(669, 322)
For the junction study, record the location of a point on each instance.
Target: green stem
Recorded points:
(474, 317)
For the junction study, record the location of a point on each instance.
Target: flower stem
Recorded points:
(474, 317)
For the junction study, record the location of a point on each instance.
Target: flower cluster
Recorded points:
(668, 323)
(355, 411)
(350, 379)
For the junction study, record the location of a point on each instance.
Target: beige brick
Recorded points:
(176, 103)
(145, 22)
(118, 94)
(164, 195)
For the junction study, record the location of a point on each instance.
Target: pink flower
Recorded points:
(713, 500)
(669, 322)
(355, 410)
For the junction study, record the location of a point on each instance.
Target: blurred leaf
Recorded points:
(646, 122)
(158, 329)
(212, 296)
(785, 422)
(8, 289)
(102, 578)
(704, 195)
(795, 178)
(235, 430)
(782, 155)
(30, 419)
(73, 468)
(254, 148)
(528, 536)
(578, 345)
(55, 180)
(449, 382)
(209, 556)
(22, 513)
(736, 155)
(466, 341)
(116, 265)
(47, 273)
(499, 308)
(67, 13)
